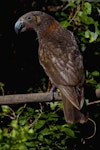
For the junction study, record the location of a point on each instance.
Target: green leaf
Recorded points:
(5, 146)
(98, 9)
(5, 108)
(40, 137)
(63, 141)
(22, 121)
(87, 34)
(65, 24)
(53, 105)
(85, 19)
(23, 147)
(68, 131)
(30, 131)
(14, 124)
(87, 8)
(14, 133)
(0, 131)
(39, 124)
(48, 141)
(95, 73)
(5, 132)
(70, 4)
(30, 144)
(1, 85)
(92, 82)
(98, 86)
(45, 131)
(52, 117)
(91, 35)
(20, 110)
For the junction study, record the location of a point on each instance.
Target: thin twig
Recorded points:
(94, 102)
(94, 132)
(94, 129)
(35, 121)
(78, 8)
(21, 111)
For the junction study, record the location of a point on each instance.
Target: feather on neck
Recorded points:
(50, 29)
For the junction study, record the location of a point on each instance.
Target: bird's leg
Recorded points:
(52, 90)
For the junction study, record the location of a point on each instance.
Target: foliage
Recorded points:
(79, 15)
(30, 129)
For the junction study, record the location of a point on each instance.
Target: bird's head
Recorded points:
(38, 21)
(28, 21)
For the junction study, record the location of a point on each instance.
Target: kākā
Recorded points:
(61, 59)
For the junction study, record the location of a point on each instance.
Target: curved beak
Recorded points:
(19, 26)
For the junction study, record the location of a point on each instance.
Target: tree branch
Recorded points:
(37, 97)
(27, 98)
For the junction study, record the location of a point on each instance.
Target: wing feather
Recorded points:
(66, 72)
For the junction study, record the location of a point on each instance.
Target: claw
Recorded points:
(53, 89)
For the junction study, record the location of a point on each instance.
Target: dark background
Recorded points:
(19, 66)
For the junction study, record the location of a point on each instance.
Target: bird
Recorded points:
(61, 60)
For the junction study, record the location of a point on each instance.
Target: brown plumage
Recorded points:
(61, 59)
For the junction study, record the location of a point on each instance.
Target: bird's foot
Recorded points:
(52, 91)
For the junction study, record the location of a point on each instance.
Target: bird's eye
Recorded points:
(29, 18)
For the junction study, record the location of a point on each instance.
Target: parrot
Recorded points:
(61, 59)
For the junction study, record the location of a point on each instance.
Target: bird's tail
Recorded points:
(72, 114)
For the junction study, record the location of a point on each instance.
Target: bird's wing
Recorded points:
(67, 66)
(73, 73)
(66, 71)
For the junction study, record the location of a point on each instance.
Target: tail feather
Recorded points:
(74, 94)
(72, 114)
